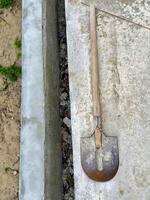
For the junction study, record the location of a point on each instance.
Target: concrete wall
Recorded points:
(40, 155)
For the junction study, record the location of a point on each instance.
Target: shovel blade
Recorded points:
(108, 154)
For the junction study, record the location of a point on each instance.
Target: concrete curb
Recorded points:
(40, 155)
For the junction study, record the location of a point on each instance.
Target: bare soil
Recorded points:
(10, 29)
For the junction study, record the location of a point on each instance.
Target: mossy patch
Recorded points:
(6, 3)
(11, 73)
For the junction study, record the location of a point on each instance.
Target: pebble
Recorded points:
(63, 96)
(67, 121)
(15, 173)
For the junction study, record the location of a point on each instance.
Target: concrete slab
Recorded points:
(123, 56)
(40, 156)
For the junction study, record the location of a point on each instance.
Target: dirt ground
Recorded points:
(10, 29)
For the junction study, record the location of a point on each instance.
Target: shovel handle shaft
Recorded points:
(98, 138)
(94, 63)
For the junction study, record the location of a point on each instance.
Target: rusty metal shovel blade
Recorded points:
(100, 164)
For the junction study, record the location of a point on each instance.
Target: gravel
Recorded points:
(67, 157)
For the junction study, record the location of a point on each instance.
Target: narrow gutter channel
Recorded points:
(67, 156)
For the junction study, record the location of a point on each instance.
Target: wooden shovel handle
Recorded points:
(94, 63)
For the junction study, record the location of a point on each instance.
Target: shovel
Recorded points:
(99, 152)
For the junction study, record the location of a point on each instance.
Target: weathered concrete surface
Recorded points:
(53, 167)
(124, 58)
(40, 160)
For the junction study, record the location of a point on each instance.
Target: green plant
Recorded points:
(19, 55)
(6, 3)
(17, 43)
(11, 73)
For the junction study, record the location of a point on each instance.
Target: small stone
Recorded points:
(3, 83)
(63, 96)
(15, 173)
(63, 103)
(67, 121)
